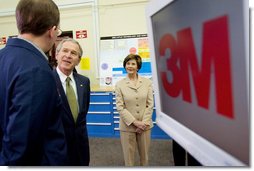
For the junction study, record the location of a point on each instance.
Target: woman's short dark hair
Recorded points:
(137, 58)
(36, 16)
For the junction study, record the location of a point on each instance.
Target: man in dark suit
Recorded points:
(68, 55)
(31, 130)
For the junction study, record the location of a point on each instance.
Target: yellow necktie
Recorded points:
(71, 99)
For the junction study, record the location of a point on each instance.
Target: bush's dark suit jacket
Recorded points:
(76, 134)
(31, 131)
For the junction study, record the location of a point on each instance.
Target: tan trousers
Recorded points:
(132, 140)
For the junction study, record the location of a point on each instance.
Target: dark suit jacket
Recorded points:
(76, 133)
(31, 128)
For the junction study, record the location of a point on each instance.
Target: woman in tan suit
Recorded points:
(134, 102)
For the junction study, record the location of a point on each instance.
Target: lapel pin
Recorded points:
(81, 85)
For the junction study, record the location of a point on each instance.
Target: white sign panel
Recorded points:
(200, 64)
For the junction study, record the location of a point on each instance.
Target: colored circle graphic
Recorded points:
(133, 50)
(104, 66)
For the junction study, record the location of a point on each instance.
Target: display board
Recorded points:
(113, 51)
(199, 51)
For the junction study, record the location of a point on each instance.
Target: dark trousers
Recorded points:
(180, 159)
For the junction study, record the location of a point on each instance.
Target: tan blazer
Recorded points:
(134, 103)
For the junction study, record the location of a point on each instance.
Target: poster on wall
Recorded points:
(113, 51)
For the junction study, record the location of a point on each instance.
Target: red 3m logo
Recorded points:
(183, 63)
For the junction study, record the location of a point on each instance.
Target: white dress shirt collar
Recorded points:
(63, 77)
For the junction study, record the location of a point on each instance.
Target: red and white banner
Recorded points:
(81, 34)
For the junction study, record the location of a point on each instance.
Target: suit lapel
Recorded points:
(139, 82)
(62, 94)
(129, 84)
(80, 90)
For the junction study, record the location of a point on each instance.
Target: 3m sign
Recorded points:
(201, 74)
(183, 65)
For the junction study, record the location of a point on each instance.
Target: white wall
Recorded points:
(99, 17)
(122, 17)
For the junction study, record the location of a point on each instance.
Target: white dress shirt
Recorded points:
(63, 77)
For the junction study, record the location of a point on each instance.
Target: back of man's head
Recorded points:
(36, 16)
